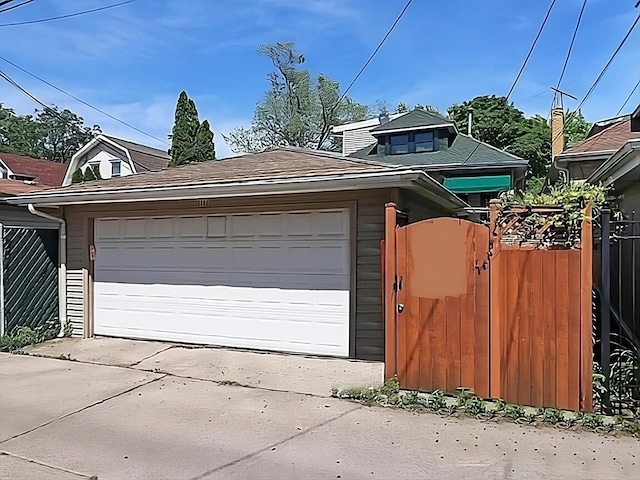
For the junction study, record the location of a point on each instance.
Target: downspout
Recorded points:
(62, 273)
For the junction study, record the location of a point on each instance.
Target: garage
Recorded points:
(273, 281)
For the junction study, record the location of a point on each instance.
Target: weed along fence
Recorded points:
(503, 310)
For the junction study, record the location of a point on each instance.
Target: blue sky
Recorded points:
(132, 61)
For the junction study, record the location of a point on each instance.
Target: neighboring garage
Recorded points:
(274, 251)
(276, 281)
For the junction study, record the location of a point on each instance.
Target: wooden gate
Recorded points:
(442, 306)
(467, 308)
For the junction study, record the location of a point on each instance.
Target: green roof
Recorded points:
(464, 150)
(414, 119)
(490, 183)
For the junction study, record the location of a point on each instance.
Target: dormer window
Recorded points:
(424, 141)
(402, 143)
(115, 169)
(399, 144)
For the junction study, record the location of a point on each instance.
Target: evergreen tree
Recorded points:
(89, 174)
(77, 176)
(184, 131)
(204, 148)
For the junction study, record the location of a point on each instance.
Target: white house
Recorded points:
(356, 135)
(116, 157)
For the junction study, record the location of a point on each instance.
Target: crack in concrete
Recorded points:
(273, 445)
(150, 356)
(47, 465)
(86, 407)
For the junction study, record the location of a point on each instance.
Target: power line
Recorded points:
(533, 46)
(573, 39)
(366, 64)
(69, 15)
(15, 6)
(599, 77)
(133, 127)
(628, 98)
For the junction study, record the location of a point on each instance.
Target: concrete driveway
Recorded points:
(144, 410)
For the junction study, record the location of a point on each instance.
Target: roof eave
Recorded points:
(612, 169)
(359, 181)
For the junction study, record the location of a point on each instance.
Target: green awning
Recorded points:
(488, 184)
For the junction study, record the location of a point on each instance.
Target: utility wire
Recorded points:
(599, 77)
(570, 50)
(15, 6)
(69, 15)
(366, 64)
(4, 2)
(83, 102)
(533, 46)
(628, 98)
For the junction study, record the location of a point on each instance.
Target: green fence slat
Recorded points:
(30, 268)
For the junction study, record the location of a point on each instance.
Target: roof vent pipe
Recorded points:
(383, 117)
(470, 121)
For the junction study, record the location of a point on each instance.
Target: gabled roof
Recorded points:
(278, 171)
(464, 150)
(414, 119)
(148, 159)
(45, 172)
(610, 139)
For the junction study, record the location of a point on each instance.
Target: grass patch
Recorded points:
(470, 405)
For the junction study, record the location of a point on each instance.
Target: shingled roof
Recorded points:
(464, 150)
(608, 140)
(44, 172)
(414, 119)
(273, 164)
(146, 159)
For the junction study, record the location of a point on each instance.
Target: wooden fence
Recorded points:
(514, 323)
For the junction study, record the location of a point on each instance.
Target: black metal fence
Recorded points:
(616, 314)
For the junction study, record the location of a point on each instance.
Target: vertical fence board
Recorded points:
(452, 315)
(430, 336)
(468, 341)
(440, 351)
(562, 328)
(511, 321)
(480, 303)
(573, 373)
(401, 326)
(550, 327)
(390, 325)
(410, 320)
(523, 313)
(537, 324)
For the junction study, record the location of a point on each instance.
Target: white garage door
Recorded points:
(277, 281)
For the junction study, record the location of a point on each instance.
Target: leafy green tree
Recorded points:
(297, 110)
(533, 143)
(62, 133)
(52, 133)
(576, 128)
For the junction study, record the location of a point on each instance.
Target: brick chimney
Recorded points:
(557, 131)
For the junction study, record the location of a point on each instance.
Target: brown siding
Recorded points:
(368, 205)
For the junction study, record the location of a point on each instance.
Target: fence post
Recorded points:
(605, 304)
(390, 265)
(586, 310)
(495, 312)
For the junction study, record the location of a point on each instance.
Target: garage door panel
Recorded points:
(272, 281)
